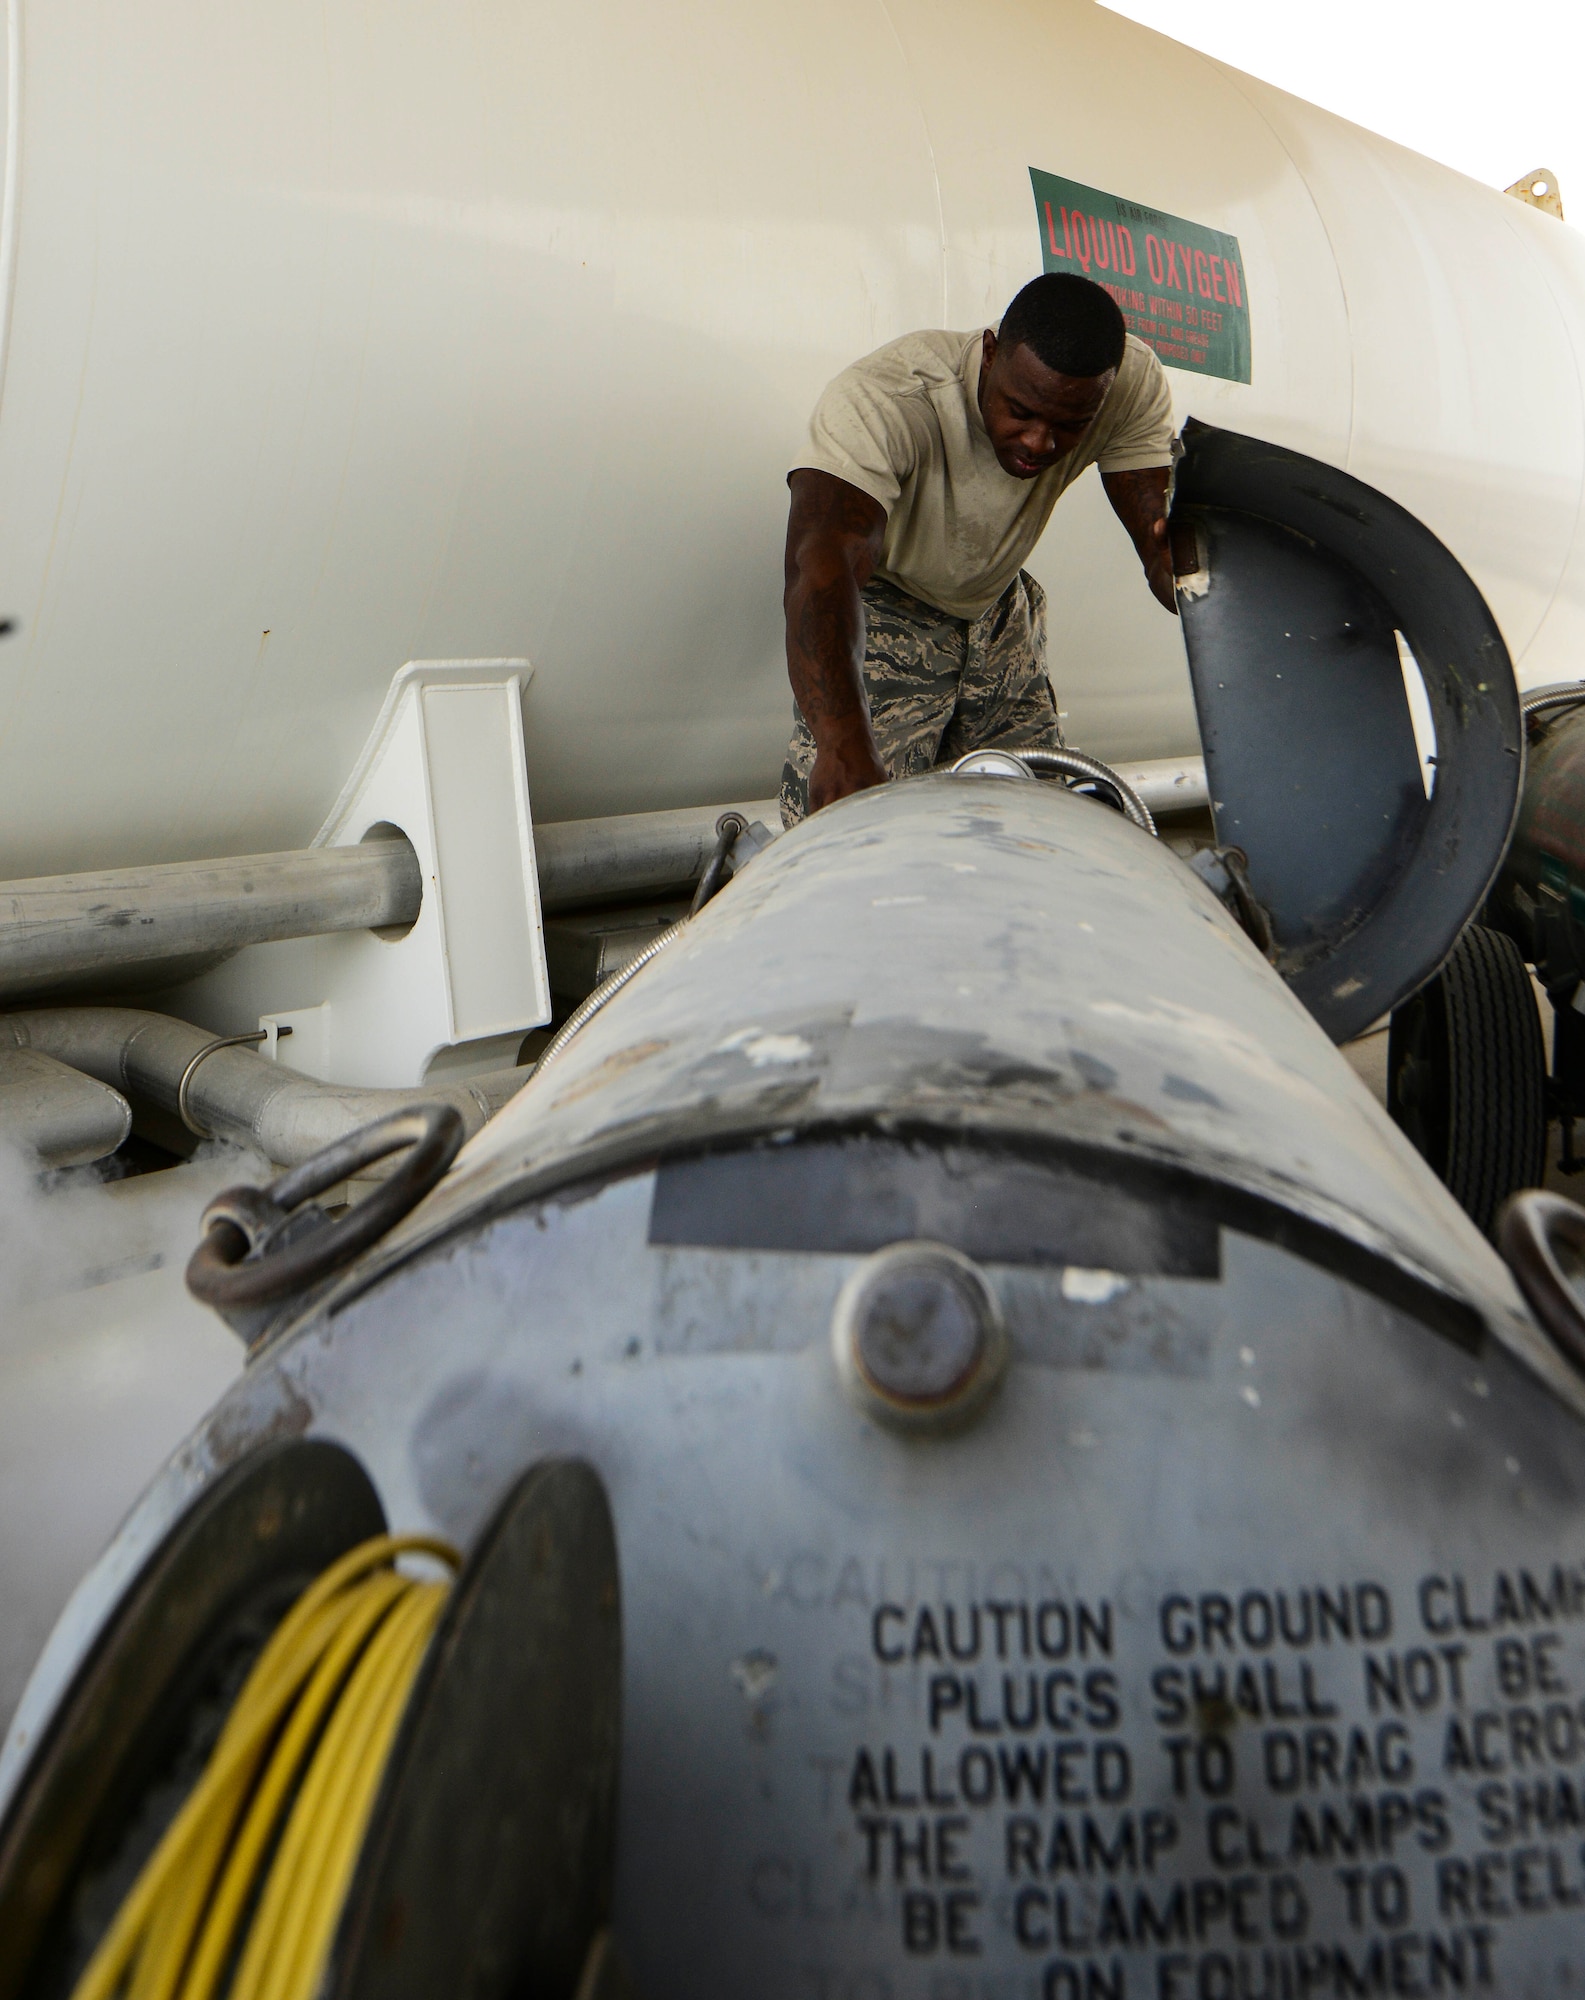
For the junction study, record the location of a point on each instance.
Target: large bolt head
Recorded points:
(918, 1337)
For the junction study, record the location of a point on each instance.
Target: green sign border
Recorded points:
(1180, 285)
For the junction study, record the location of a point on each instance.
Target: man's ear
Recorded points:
(987, 351)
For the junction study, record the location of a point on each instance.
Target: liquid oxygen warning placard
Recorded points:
(1180, 285)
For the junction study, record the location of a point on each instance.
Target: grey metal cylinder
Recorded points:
(1252, 1594)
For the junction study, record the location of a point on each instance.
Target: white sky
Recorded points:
(1493, 90)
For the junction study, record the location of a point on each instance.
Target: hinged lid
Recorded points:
(1314, 608)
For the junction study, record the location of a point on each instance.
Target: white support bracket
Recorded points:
(444, 764)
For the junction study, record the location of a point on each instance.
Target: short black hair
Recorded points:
(1069, 323)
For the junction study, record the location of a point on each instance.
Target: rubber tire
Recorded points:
(1466, 1074)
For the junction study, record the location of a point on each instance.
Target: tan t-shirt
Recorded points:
(904, 426)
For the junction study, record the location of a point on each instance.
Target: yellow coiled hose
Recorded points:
(287, 1791)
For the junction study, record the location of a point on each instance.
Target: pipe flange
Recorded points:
(919, 1338)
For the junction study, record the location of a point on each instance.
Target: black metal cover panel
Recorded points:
(1299, 581)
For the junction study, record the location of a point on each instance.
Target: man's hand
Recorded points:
(1139, 500)
(834, 537)
(844, 764)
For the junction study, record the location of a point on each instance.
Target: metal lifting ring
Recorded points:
(208, 1049)
(1530, 1230)
(261, 1245)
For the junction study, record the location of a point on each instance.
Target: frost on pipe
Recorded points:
(1300, 588)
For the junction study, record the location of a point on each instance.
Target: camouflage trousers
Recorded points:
(941, 686)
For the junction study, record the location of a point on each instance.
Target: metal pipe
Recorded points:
(64, 934)
(233, 1094)
(584, 861)
(73, 933)
(55, 1114)
(1168, 784)
(129, 927)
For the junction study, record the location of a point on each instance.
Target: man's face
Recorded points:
(1034, 415)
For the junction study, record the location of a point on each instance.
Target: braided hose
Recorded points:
(1539, 700)
(1075, 764)
(608, 989)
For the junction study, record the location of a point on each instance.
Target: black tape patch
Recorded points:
(852, 1195)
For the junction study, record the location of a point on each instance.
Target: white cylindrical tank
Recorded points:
(337, 336)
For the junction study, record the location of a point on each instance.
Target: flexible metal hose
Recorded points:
(1539, 700)
(1075, 764)
(608, 989)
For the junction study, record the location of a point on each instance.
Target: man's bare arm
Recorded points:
(834, 537)
(1139, 500)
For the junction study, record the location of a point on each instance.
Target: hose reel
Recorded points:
(312, 1726)
(468, 1728)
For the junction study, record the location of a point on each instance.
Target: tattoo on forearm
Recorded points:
(825, 650)
(1139, 499)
